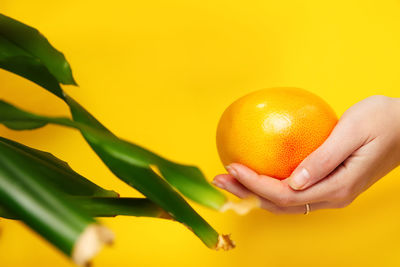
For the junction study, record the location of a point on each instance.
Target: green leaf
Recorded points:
(36, 46)
(16, 60)
(109, 207)
(18, 119)
(32, 70)
(58, 173)
(24, 51)
(131, 164)
(188, 180)
(40, 205)
(23, 125)
(7, 214)
(93, 199)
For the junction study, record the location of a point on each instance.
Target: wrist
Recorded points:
(396, 111)
(396, 106)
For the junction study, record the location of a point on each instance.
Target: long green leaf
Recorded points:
(90, 197)
(109, 207)
(40, 205)
(31, 69)
(24, 51)
(4, 213)
(36, 46)
(189, 180)
(134, 169)
(58, 173)
(18, 119)
(28, 42)
(16, 60)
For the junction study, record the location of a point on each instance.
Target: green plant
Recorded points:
(54, 200)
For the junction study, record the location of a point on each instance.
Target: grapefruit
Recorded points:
(272, 130)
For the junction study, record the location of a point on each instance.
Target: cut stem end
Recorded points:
(90, 242)
(225, 242)
(242, 207)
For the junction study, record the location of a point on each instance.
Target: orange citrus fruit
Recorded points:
(272, 130)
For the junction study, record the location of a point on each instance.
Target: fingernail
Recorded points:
(231, 171)
(299, 179)
(218, 184)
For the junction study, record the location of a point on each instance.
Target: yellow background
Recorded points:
(160, 73)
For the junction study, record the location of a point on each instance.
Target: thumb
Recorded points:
(341, 143)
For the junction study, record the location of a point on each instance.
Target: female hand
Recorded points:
(362, 148)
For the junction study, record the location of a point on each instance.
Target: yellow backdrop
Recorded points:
(160, 73)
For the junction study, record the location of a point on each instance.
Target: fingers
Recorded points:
(267, 205)
(279, 192)
(230, 184)
(264, 186)
(341, 143)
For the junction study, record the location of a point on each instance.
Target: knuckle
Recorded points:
(325, 160)
(322, 156)
(351, 128)
(349, 194)
(322, 163)
(343, 194)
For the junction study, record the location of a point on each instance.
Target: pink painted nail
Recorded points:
(231, 171)
(218, 184)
